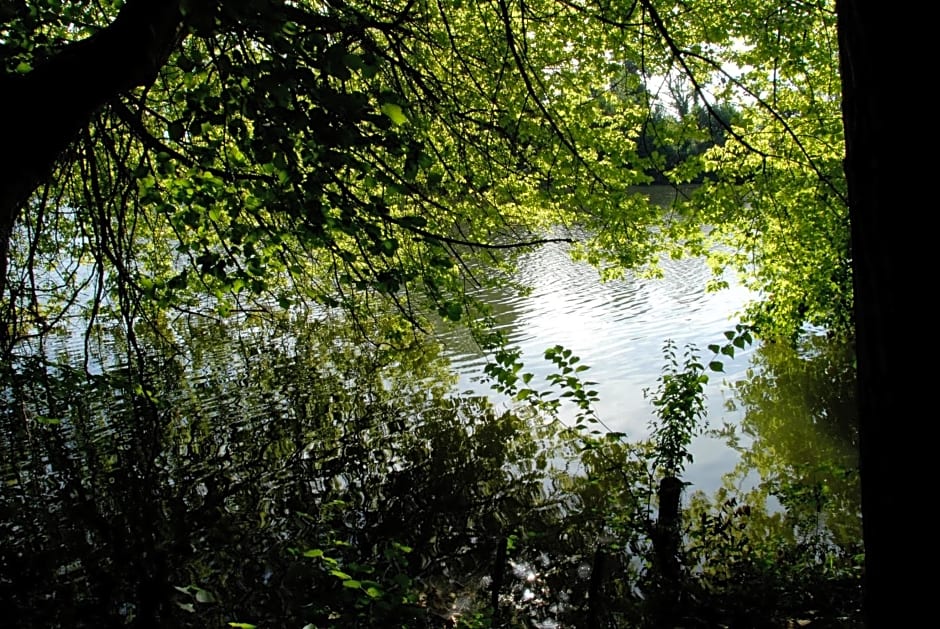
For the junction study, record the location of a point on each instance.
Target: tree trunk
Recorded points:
(42, 111)
(884, 170)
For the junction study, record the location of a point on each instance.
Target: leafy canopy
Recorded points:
(326, 153)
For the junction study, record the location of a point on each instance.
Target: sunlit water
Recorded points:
(115, 500)
(618, 328)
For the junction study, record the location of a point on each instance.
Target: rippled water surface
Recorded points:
(181, 481)
(617, 328)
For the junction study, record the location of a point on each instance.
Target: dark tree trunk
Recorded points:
(42, 111)
(885, 172)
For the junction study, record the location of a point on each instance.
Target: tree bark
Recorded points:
(883, 169)
(42, 111)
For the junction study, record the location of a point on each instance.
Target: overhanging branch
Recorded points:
(42, 111)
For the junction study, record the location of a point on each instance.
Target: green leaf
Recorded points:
(352, 584)
(176, 130)
(389, 246)
(716, 365)
(454, 310)
(394, 113)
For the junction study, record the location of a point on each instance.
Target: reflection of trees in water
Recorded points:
(306, 476)
(215, 470)
(800, 415)
(801, 521)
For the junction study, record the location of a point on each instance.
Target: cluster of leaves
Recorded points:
(737, 339)
(291, 154)
(503, 371)
(774, 199)
(746, 564)
(679, 403)
(331, 153)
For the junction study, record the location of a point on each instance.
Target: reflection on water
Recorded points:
(799, 429)
(292, 473)
(618, 328)
(289, 471)
(270, 478)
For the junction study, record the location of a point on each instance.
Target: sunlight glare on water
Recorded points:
(618, 328)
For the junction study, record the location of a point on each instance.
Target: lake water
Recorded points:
(174, 485)
(618, 328)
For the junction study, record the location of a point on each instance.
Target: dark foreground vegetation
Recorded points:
(246, 482)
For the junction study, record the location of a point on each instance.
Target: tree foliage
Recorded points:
(282, 152)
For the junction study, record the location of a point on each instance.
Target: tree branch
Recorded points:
(43, 110)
